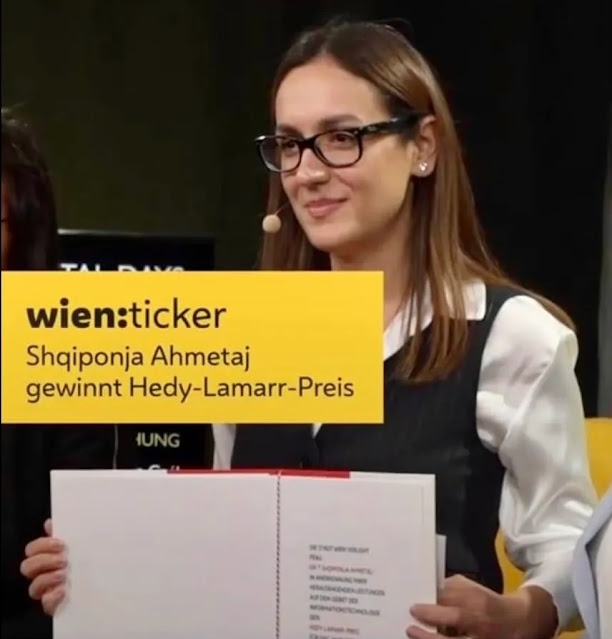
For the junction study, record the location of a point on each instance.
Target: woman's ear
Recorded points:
(425, 146)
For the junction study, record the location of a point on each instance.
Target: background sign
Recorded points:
(111, 251)
(143, 445)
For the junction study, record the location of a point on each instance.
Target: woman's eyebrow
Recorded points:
(331, 122)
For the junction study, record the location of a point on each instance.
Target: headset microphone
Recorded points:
(272, 223)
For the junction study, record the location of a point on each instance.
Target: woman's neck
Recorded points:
(388, 257)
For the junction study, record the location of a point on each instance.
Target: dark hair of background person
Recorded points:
(32, 219)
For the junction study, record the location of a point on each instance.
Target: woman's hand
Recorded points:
(467, 609)
(45, 566)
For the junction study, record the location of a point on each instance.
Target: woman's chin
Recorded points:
(334, 244)
(336, 237)
(327, 242)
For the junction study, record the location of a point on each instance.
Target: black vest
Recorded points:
(429, 428)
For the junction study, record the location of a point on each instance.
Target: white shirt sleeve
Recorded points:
(529, 410)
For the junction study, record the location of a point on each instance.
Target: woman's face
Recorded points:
(5, 213)
(342, 210)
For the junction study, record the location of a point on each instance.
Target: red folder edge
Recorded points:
(287, 472)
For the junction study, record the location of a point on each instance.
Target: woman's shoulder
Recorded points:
(528, 332)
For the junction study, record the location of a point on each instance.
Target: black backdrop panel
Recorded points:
(143, 445)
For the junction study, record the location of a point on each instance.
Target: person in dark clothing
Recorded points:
(30, 452)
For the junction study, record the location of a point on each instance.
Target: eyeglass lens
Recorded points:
(336, 148)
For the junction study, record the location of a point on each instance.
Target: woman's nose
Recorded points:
(311, 168)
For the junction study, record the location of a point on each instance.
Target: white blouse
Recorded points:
(529, 411)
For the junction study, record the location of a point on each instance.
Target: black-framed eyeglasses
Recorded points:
(338, 148)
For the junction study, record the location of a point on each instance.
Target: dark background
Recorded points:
(147, 109)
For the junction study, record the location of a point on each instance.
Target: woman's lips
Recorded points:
(322, 207)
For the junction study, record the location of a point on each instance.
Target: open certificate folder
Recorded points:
(243, 555)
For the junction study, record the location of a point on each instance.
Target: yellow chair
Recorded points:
(599, 442)
(599, 445)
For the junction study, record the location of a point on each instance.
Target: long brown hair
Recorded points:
(445, 244)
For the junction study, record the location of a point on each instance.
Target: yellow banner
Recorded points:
(192, 347)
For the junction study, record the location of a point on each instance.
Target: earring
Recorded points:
(423, 166)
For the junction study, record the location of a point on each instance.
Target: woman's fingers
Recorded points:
(44, 545)
(52, 599)
(41, 563)
(46, 583)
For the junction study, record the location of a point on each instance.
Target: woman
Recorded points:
(29, 453)
(480, 390)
